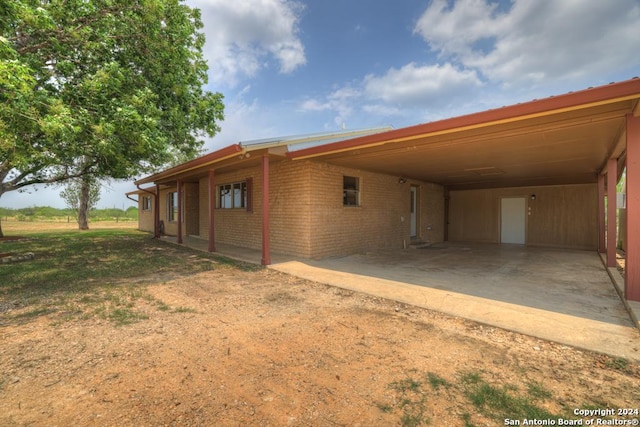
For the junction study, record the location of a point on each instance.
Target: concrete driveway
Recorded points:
(555, 294)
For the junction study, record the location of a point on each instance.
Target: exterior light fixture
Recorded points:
(402, 180)
(533, 197)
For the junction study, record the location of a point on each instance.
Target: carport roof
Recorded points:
(565, 139)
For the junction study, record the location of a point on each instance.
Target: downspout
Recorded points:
(156, 205)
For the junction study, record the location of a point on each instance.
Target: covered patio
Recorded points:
(583, 138)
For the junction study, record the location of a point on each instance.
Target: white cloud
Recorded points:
(453, 30)
(532, 40)
(341, 101)
(244, 35)
(414, 85)
(314, 105)
(412, 91)
(381, 110)
(243, 121)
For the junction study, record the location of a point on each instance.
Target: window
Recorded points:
(146, 203)
(351, 191)
(233, 196)
(172, 206)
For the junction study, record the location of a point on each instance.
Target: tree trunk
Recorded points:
(1, 193)
(83, 208)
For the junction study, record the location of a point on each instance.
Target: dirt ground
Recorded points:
(232, 348)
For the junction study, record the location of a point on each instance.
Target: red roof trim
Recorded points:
(560, 102)
(192, 164)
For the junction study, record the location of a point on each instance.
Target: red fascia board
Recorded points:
(192, 164)
(570, 100)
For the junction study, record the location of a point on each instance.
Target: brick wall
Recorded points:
(192, 209)
(145, 218)
(381, 221)
(307, 215)
(431, 212)
(290, 204)
(233, 226)
(289, 209)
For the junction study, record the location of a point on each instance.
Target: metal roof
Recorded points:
(299, 142)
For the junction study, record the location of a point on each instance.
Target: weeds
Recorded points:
(496, 402)
(619, 364)
(125, 316)
(436, 381)
(411, 402)
(183, 310)
(502, 402)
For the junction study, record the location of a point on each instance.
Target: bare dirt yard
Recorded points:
(240, 346)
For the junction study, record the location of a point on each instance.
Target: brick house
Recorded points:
(535, 173)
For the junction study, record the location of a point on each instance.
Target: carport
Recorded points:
(583, 139)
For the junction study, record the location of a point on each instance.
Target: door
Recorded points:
(414, 212)
(513, 218)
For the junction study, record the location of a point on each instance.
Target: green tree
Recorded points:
(107, 88)
(82, 195)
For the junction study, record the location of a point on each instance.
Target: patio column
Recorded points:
(602, 248)
(156, 213)
(446, 215)
(266, 253)
(612, 180)
(632, 261)
(179, 185)
(212, 208)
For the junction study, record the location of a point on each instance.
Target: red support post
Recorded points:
(632, 261)
(212, 208)
(602, 246)
(266, 254)
(612, 180)
(179, 185)
(156, 213)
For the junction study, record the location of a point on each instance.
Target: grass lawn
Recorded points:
(101, 271)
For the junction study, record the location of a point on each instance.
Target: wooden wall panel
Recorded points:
(560, 216)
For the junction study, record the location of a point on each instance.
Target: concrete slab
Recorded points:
(554, 294)
(557, 295)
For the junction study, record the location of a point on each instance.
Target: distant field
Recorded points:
(14, 227)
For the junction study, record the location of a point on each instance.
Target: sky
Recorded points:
(288, 67)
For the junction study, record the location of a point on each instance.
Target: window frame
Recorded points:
(354, 192)
(172, 206)
(146, 203)
(233, 195)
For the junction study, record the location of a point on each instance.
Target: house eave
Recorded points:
(207, 160)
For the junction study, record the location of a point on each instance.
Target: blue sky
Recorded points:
(301, 66)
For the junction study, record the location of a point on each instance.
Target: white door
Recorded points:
(513, 214)
(414, 212)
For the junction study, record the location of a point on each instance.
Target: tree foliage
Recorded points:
(110, 88)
